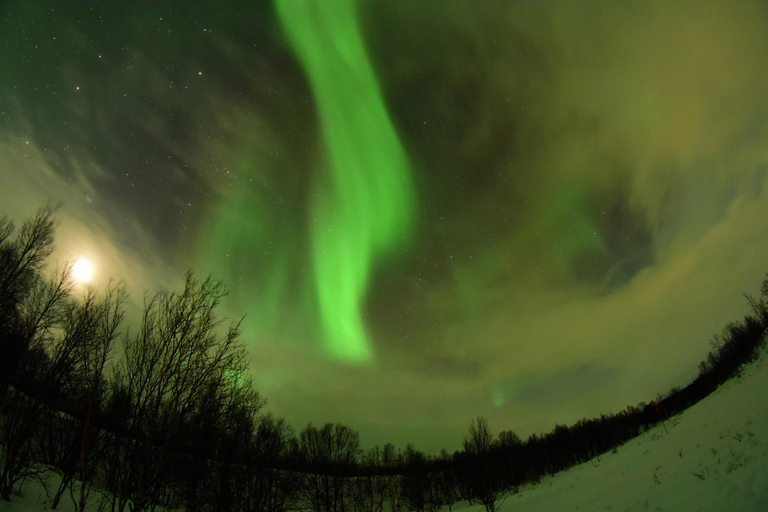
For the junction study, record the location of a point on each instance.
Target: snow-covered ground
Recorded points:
(712, 457)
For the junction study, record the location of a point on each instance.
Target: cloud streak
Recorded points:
(592, 181)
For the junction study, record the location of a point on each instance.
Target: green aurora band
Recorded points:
(365, 209)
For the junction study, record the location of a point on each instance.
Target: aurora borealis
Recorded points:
(425, 211)
(368, 208)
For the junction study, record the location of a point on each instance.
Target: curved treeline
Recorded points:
(163, 413)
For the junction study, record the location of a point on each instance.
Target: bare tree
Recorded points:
(21, 263)
(760, 304)
(234, 433)
(331, 452)
(479, 474)
(38, 373)
(415, 480)
(370, 486)
(480, 438)
(67, 433)
(446, 482)
(390, 458)
(55, 449)
(179, 355)
(270, 487)
(98, 321)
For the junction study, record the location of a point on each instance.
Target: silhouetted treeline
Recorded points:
(489, 468)
(164, 414)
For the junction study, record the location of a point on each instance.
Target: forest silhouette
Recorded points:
(163, 414)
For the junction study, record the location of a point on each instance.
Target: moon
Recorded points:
(82, 270)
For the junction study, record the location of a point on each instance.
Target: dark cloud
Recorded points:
(590, 181)
(554, 389)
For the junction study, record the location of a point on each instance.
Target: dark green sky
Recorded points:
(426, 211)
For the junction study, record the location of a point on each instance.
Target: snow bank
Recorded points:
(712, 457)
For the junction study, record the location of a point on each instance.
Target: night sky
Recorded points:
(425, 210)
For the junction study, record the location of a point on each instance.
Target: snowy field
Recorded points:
(713, 457)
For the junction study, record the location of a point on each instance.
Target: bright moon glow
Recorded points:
(82, 270)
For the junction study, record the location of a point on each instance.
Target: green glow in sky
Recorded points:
(581, 174)
(364, 207)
